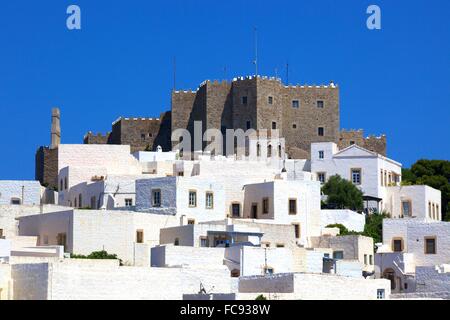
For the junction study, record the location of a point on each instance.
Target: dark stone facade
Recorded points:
(140, 133)
(262, 103)
(251, 102)
(46, 170)
(372, 143)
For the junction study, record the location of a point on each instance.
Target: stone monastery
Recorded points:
(221, 226)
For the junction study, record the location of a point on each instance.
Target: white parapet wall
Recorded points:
(105, 280)
(312, 287)
(20, 192)
(352, 220)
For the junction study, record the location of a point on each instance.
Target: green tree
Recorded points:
(342, 194)
(96, 255)
(374, 226)
(343, 231)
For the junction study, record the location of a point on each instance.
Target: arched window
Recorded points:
(279, 150)
(258, 150)
(269, 151)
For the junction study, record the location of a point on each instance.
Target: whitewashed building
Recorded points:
(285, 202)
(415, 254)
(17, 192)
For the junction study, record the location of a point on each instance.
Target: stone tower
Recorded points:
(56, 129)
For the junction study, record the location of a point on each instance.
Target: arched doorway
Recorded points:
(390, 275)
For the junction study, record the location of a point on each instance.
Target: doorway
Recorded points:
(254, 213)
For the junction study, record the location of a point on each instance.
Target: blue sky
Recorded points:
(394, 81)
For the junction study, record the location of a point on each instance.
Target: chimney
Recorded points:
(56, 129)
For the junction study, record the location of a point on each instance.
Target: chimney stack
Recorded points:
(56, 129)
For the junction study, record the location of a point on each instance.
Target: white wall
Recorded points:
(350, 219)
(312, 287)
(253, 260)
(74, 280)
(279, 192)
(419, 196)
(96, 230)
(341, 162)
(28, 192)
(413, 233)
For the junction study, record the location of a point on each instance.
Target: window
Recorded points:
(352, 142)
(16, 201)
(265, 244)
(292, 206)
(274, 125)
(295, 104)
(142, 136)
(406, 208)
(258, 150)
(65, 183)
(61, 185)
(430, 245)
(280, 245)
(294, 126)
(80, 201)
(370, 259)
(93, 202)
(269, 150)
(320, 104)
(249, 124)
(321, 176)
(380, 294)
(365, 259)
(321, 154)
(270, 100)
(265, 205)
(320, 131)
(176, 242)
(128, 202)
(209, 200)
(338, 255)
(297, 230)
(191, 221)
(356, 176)
(382, 184)
(1, 233)
(268, 270)
(61, 239)
(203, 241)
(139, 236)
(236, 210)
(429, 209)
(397, 245)
(156, 198)
(181, 173)
(46, 239)
(192, 198)
(75, 202)
(244, 100)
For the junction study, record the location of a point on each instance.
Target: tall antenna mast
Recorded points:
(256, 51)
(287, 73)
(174, 73)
